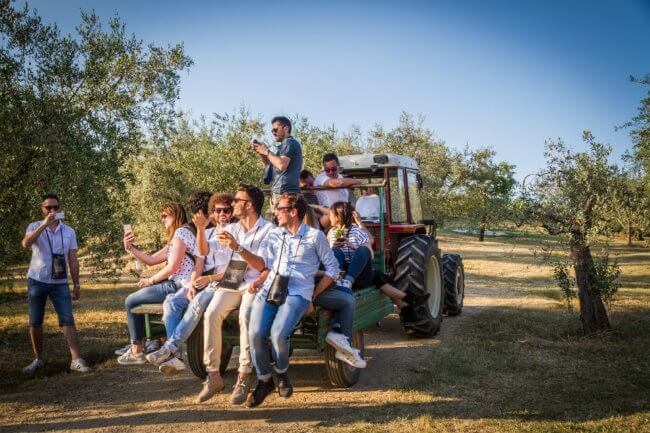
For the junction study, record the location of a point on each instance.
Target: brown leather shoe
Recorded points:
(212, 385)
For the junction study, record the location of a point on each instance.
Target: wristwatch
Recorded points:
(239, 249)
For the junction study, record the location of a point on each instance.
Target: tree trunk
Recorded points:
(481, 232)
(629, 234)
(592, 310)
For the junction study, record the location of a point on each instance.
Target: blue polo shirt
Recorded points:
(288, 180)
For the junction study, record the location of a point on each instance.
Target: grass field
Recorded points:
(515, 360)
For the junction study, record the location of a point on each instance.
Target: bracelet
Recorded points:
(239, 249)
(151, 281)
(210, 278)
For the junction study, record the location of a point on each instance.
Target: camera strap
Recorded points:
(49, 241)
(289, 263)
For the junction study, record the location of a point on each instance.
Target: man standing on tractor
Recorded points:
(281, 169)
(331, 177)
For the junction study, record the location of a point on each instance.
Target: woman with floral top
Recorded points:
(182, 263)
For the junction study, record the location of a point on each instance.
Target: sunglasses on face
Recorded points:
(237, 200)
(55, 207)
(222, 210)
(283, 209)
(163, 216)
(331, 170)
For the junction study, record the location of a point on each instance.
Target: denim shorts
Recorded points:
(37, 293)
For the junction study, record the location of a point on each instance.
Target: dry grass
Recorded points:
(514, 360)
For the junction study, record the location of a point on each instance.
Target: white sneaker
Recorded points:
(159, 356)
(122, 350)
(80, 366)
(35, 365)
(130, 358)
(354, 360)
(340, 342)
(172, 366)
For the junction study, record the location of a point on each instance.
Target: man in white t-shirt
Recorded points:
(368, 204)
(331, 177)
(53, 245)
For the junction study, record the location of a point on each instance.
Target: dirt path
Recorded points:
(118, 399)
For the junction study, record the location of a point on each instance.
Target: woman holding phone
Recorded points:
(181, 260)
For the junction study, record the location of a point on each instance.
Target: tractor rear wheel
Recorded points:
(195, 353)
(418, 268)
(453, 274)
(340, 374)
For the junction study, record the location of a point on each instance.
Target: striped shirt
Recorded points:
(355, 238)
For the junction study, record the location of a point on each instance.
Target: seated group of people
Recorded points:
(286, 268)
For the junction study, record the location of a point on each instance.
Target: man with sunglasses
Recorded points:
(292, 258)
(283, 167)
(331, 177)
(53, 244)
(246, 241)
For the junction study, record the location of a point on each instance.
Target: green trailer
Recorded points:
(405, 247)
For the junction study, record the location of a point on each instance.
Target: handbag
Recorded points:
(58, 260)
(280, 286)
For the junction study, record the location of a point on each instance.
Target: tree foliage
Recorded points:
(440, 167)
(73, 110)
(487, 188)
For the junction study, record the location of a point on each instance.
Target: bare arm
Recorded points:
(201, 222)
(281, 162)
(343, 183)
(149, 260)
(73, 265)
(322, 285)
(253, 260)
(32, 236)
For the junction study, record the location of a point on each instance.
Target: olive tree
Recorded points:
(73, 110)
(486, 189)
(570, 196)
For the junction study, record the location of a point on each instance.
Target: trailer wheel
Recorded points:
(453, 274)
(418, 268)
(195, 353)
(340, 374)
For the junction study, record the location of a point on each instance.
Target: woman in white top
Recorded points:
(182, 263)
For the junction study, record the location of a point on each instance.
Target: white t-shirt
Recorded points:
(219, 255)
(328, 197)
(63, 239)
(368, 206)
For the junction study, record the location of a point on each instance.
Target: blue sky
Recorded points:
(503, 74)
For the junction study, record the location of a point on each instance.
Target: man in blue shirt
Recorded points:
(282, 170)
(53, 245)
(295, 251)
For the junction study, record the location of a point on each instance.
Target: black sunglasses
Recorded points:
(222, 210)
(56, 207)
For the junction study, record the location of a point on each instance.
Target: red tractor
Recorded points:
(405, 243)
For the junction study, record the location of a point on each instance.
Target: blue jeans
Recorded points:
(182, 315)
(359, 270)
(37, 293)
(147, 295)
(342, 303)
(275, 323)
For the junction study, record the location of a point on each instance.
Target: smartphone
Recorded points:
(127, 228)
(59, 216)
